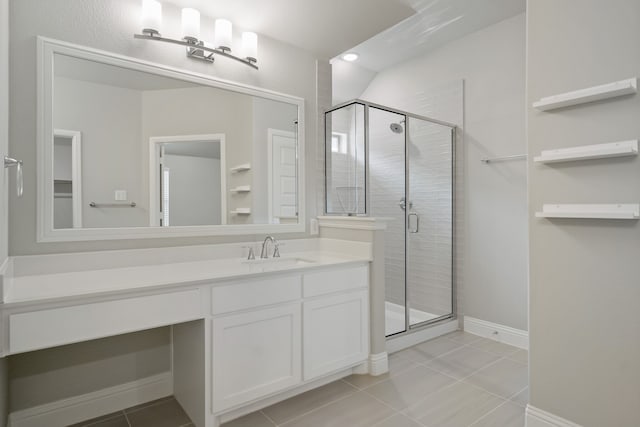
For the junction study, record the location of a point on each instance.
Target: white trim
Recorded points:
(91, 405)
(494, 331)
(154, 150)
(378, 363)
(46, 49)
(354, 222)
(538, 418)
(395, 344)
(270, 134)
(76, 172)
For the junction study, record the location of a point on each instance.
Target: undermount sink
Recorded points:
(276, 263)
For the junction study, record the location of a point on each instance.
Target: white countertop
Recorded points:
(44, 287)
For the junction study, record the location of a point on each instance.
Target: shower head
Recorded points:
(396, 128)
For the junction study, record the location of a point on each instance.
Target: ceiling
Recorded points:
(325, 28)
(436, 23)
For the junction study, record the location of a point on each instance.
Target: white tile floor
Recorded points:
(459, 380)
(454, 381)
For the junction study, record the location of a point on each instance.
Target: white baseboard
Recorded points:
(539, 418)
(91, 405)
(497, 332)
(378, 364)
(419, 336)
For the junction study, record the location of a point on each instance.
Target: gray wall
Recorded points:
(267, 114)
(43, 376)
(110, 26)
(111, 151)
(493, 237)
(210, 111)
(584, 289)
(190, 204)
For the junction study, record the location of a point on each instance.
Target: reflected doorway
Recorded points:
(188, 180)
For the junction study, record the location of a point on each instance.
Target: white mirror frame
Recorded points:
(47, 48)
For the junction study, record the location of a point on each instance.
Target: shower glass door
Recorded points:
(395, 165)
(429, 189)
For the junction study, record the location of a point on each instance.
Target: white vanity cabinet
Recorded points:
(256, 345)
(240, 341)
(336, 320)
(255, 354)
(269, 335)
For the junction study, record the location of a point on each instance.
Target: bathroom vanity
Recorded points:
(245, 333)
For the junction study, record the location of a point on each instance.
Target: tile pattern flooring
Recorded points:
(454, 381)
(159, 413)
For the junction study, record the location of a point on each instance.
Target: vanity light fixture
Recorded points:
(196, 48)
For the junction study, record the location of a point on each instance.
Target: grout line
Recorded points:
(419, 402)
(150, 405)
(515, 394)
(319, 407)
(268, 418)
(126, 418)
(102, 419)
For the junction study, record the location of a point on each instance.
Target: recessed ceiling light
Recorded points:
(350, 57)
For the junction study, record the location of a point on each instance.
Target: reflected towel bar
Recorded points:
(503, 159)
(112, 205)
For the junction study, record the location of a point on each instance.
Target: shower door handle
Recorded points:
(414, 225)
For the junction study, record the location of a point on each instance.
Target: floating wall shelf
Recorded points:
(241, 211)
(241, 189)
(583, 96)
(600, 211)
(586, 152)
(241, 168)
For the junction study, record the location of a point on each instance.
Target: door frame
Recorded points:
(154, 152)
(4, 129)
(270, 134)
(76, 171)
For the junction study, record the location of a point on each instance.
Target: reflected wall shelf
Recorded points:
(591, 94)
(241, 211)
(241, 189)
(599, 211)
(241, 168)
(586, 152)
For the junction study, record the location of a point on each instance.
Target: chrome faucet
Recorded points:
(265, 253)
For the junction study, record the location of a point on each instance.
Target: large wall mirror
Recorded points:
(129, 149)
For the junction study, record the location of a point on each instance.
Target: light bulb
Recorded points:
(250, 46)
(350, 57)
(223, 34)
(190, 24)
(151, 16)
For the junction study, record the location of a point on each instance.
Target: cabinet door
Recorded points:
(254, 354)
(336, 333)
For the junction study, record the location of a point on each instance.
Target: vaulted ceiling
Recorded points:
(323, 27)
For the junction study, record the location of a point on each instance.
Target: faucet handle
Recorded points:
(251, 254)
(276, 250)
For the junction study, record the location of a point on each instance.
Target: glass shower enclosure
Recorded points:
(387, 163)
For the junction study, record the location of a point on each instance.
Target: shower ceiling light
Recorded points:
(196, 48)
(350, 57)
